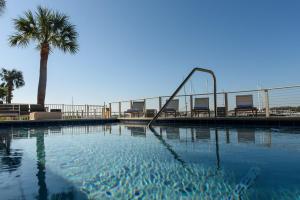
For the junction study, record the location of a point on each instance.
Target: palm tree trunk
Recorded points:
(9, 93)
(43, 74)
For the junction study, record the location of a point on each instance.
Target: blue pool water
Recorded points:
(132, 162)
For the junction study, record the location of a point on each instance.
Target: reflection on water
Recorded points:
(41, 162)
(137, 131)
(10, 158)
(81, 162)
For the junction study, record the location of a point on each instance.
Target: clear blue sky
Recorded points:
(139, 48)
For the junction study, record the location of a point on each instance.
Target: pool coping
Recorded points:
(253, 121)
(219, 121)
(19, 123)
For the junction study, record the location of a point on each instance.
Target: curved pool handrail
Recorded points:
(182, 84)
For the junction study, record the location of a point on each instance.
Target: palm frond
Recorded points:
(2, 5)
(63, 35)
(45, 27)
(26, 30)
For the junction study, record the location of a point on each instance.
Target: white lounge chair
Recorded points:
(137, 108)
(245, 103)
(172, 108)
(201, 105)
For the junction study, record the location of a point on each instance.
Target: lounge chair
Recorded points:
(37, 108)
(137, 108)
(172, 108)
(244, 103)
(9, 110)
(201, 105)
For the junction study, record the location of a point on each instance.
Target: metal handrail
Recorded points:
(182, 84)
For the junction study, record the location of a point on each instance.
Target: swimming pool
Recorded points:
(120, 161)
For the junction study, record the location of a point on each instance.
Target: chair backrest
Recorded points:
(173, 104)
(138, 105)
(9, 108)
(37, 108)
(201, 103)
(244, 101)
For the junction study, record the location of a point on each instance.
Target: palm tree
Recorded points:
(12, 79)
(48, 29)
(2, 5)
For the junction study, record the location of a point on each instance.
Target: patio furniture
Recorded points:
(45, 115)
(221, 112)
(172, 108)
(150, 112)
(244, 103)
(24, 109)
(137, 108)
(10, 110)
(201, 105)
(37, 108)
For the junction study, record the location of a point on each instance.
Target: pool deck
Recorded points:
(254, 121)
(219, 121)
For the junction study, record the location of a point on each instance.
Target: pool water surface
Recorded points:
(121, 161)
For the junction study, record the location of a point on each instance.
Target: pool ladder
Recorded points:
(197, 69)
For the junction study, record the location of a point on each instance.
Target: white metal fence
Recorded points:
(78, 111)
(22, 111)
(279, 101)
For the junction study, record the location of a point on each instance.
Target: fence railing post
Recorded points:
(63, 110)
(159, 103)
(191, 105)
(267, 103)
(87, 111)
(226, 103)
(120, 109)
(109, 112)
